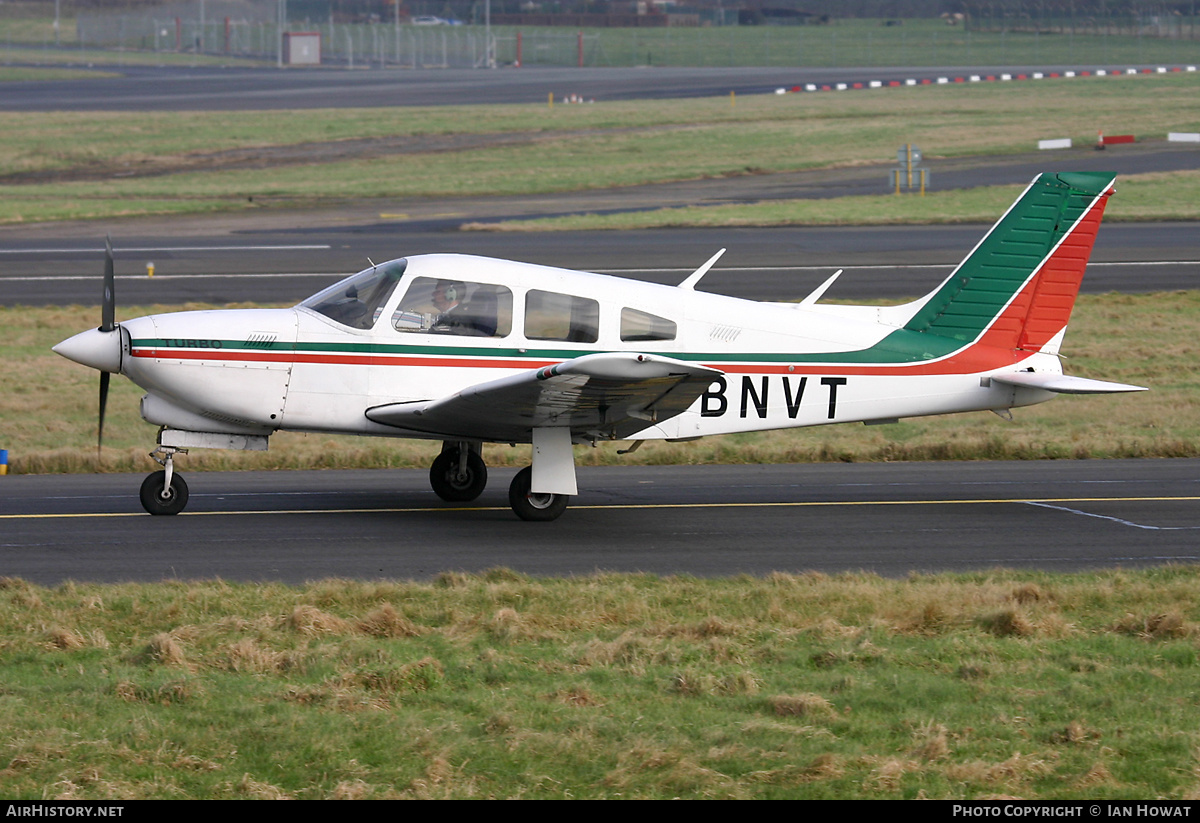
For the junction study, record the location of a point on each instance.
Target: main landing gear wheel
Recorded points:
(157, 498)
(456, 480)
(533, 506)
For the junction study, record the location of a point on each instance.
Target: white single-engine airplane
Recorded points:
(469, 350)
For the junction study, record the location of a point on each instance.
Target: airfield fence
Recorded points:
(846, 43)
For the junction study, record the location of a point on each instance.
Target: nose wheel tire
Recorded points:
(454, 482)
(157, 498)
(534, 506)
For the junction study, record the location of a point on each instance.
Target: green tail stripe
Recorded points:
(986, 281)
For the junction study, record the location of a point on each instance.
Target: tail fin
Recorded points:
(1018, 286)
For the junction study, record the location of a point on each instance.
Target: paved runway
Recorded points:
(760, 264)
(167, 88)
(891, 519)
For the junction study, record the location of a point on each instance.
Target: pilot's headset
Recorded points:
(451, 290)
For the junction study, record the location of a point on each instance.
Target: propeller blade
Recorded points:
(108, 311)
(104, 377)
(108, 308)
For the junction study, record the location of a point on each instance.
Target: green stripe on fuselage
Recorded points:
(898, 347)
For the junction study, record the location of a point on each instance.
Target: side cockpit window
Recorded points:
(553, 316)
(640, 325)
(358, 301)
(447, 306)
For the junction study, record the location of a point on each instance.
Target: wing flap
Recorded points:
(605, 395)
(1063, 384)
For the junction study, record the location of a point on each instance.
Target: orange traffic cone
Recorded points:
(1100, 140)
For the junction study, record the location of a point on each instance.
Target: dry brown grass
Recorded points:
(386, 621)
(810, 706)
(1157, 626)
(1013, 774)
(311, 621)
(165, 650)
(931, 742)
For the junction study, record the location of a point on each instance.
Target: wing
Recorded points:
(608, 395)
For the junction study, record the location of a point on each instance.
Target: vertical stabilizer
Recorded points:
(1018, 286)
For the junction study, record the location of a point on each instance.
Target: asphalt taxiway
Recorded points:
(890, 519)
(759, 264)
(138, 88)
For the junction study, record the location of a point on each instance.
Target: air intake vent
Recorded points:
(261, 340)
(724, 334)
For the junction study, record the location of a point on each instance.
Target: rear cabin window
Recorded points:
(640, 325)
(443, 306)
(553, 316)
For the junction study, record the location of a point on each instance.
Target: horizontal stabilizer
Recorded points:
(1063, 384)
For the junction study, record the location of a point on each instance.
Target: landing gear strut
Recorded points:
(458, 474)
(164, 492)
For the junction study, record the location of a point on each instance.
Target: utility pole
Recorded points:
(282, 21)
(487, 34)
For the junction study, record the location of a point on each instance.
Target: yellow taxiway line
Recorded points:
(798, 504)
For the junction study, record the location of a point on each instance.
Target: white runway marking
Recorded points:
(142, 249)
(1122, 521)
(887, 267)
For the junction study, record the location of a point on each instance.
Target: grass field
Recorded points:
(1021, 686)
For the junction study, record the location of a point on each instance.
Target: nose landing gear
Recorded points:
(164, 492)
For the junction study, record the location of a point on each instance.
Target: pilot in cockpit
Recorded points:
(457, 308)
(447, 294)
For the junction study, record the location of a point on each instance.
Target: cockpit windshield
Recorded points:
(358, 301)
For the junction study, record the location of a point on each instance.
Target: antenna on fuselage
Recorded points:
(820, 290)
(695, 276)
